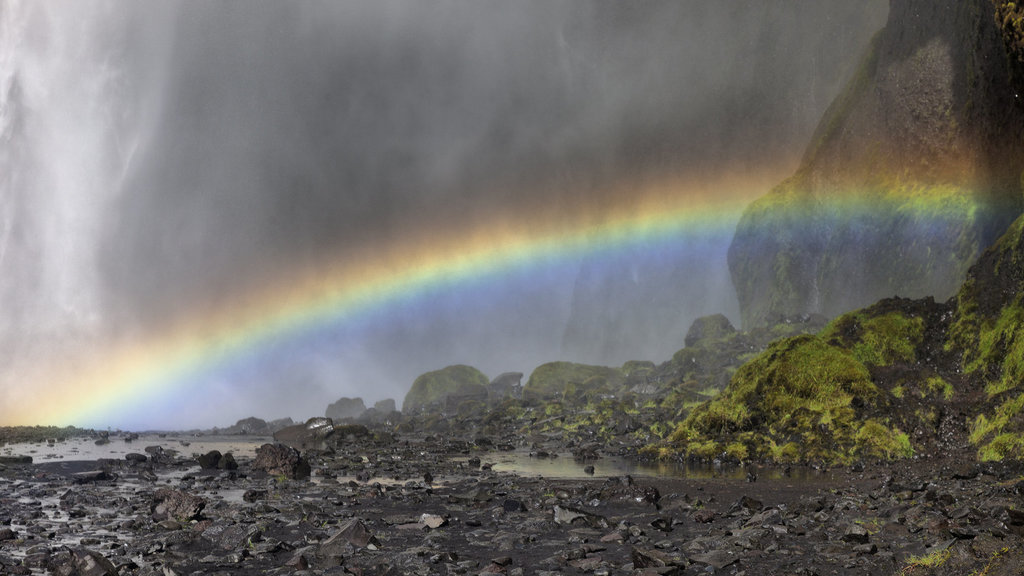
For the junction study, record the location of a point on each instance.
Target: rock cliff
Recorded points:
(912, 171)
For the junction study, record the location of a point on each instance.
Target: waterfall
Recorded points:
(60, 156)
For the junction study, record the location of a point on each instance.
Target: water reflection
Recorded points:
(564, 466)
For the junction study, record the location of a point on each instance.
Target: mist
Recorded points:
(161, 161)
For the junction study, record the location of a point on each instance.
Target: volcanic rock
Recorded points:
(930, 113)
(435, 390)
(281, 460)
(345, 408)
(171, 504)
(210, 460)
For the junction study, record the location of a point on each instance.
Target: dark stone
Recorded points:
(91, 476)
(344, 408)
(7, 534)
(355, 533)
(227, 462)
(278, 460)
(171, 504)
(712, 327)
(210, 460)
(80, 562)
(15, 459)
(511, 505)
(856, 534)
(135, 457)
(254, 495)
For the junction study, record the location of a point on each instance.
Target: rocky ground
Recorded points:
(416, 504)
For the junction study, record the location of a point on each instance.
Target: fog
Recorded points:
(162, 160)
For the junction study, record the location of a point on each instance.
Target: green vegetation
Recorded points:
(794, 402)
(878, 340)
(435, 387)
(928, 562)
(988, 330)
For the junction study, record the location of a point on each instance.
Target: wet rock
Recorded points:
(254, 495)
(354, 533)
(227, 462)
(281, 460)
(171, 504)
(135, 458)
(345, 408)
(311, 435)
(7, 534)
(512, 505)
(717, 559)
(210, 460)
(565, 515)
(80, 562)
(91, 476)
(433, 521)
(856, 534)
(15, 459)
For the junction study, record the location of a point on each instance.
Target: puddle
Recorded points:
(566, 467)
(241, 447)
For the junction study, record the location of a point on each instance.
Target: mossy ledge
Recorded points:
(855, 391)
(988, 334)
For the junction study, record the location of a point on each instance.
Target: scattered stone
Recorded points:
(171, 504)
(856, 534)
(281, 460)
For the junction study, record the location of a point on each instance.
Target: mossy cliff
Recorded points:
(913, 170)
(988, 333)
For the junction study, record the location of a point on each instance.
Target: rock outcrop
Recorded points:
(914, 169)
(568, 379)
(434, 390)
(345, 408)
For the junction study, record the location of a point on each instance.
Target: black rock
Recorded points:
(210, 460)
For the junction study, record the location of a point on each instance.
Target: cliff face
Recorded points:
(912, 171)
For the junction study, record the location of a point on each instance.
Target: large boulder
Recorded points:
(914, 169)
(568, 379)
(311, 435)
(505, 385)
(708, 328)
(281, 460)
(386, 406)
(434, 390)
(346, 408)
(171, 504)
(250, 426)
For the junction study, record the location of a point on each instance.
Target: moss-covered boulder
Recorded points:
(988, 332)
(859, 389)
(570, 380)
(435, 389)
(708, 328)
(913, 170)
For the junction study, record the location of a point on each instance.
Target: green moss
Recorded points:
(984, 427)
(799, 387)
(937, 386)
(875, 440)
(554, 379)
(897, 391)
(737, 450)
(878, 340)
(435, 387)
(1003, 446)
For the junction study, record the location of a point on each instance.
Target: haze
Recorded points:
(162, 160)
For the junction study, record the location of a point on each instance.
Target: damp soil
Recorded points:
(422, 505)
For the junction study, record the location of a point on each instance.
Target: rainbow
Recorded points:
(162, 370)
